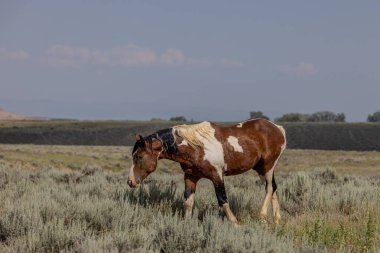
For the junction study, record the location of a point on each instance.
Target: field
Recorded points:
(75, 199)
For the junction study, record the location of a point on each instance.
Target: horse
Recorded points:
(208, 150)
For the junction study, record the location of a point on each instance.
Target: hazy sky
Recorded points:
(207, 60)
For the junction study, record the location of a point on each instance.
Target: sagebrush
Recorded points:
(49, 210)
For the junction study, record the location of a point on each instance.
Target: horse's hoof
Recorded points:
(264, 222)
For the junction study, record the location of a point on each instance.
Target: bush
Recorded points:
(326, 116)
(292, 117)
(178, 118)
(322, 212)
(323, 116)
(257, 115)
(375, 117)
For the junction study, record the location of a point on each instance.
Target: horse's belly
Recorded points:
(236, 171)
(238, 165)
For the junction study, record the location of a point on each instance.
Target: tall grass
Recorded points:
(48, 210)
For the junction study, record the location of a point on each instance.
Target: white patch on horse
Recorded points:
(234, 142)
(132, 173)
(214, 153)
(159, 153)
(225, 167)
(183, 143)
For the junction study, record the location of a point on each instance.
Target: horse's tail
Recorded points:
(282, 129)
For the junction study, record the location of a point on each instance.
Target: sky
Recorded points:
(205, 60)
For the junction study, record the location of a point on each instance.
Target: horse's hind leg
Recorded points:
(266, 173)
(268, 195)
(275, 204)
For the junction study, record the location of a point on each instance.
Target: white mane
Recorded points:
(194, 134)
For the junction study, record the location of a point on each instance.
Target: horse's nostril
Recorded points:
(129, 182)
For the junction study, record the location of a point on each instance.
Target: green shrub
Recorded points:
(179, 119)
(292, 117)
(323, 116)
(326, 116)
(375, 117)
(257, 115)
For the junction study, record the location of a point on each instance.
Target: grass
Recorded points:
(64, 157)
(75, 199)
(117, 158)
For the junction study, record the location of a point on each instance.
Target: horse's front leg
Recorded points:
(221, 195)
(190, 186)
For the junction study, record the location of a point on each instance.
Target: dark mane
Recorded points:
(165, 136)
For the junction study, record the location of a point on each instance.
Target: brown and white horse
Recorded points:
(211, 151)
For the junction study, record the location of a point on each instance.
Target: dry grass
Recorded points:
(62, 198)
(116, 158)
(64, 157)
(343, 162)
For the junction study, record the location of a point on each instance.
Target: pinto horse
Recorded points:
(211, 151)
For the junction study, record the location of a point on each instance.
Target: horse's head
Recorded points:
(145, 154)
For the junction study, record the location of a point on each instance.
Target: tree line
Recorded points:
(322, 116)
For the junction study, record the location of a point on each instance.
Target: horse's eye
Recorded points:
(139, 157)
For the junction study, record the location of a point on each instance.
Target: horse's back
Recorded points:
(260, 131)
(248, 143)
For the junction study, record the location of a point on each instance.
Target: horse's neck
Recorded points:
(176, 157)
(170, 156)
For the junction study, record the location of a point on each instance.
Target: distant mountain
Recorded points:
(4, 115)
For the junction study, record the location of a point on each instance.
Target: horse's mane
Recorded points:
(165, 136)
(194, 134)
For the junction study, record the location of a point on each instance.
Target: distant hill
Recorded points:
(323, 136)
(4, 115)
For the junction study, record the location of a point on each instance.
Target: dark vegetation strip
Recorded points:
(324, 136)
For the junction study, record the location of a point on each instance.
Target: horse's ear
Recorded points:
(139, 137)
